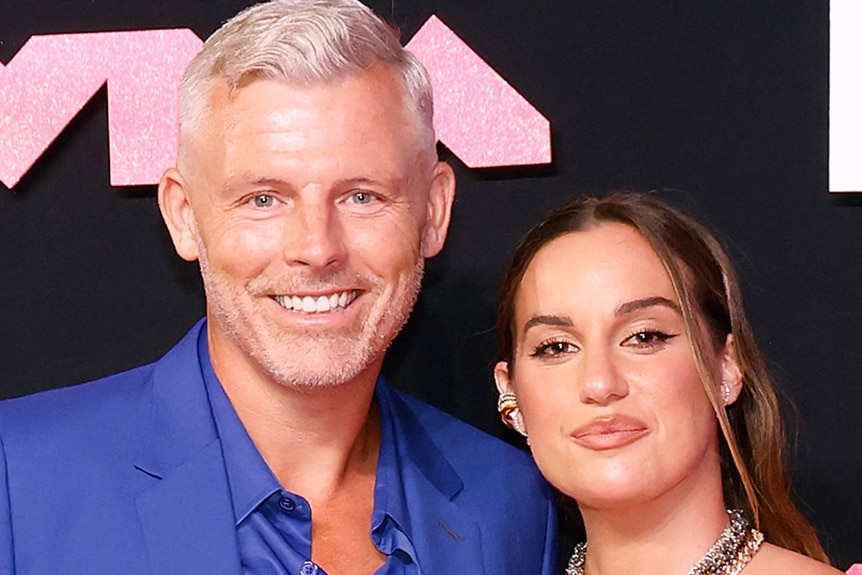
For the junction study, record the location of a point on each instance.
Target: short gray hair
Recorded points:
(304, 43)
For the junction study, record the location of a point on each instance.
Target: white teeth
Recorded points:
(321, 304)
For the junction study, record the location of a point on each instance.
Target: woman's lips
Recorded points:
(609, 432)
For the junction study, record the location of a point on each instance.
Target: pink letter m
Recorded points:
(52, 77)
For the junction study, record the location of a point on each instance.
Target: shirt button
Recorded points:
(308, 568)
(287, 504)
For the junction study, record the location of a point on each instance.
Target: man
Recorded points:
(308, 187)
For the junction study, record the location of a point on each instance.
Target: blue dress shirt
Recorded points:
(273, 525)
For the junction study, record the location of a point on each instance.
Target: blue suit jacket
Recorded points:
(125, 475)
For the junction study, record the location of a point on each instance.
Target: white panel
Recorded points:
(845, 96)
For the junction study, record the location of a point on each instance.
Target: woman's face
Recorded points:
(604, 373)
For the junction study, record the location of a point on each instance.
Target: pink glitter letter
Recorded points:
(478, 115)
(52, 77)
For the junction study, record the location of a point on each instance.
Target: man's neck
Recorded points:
(321, 443)
(314, 439)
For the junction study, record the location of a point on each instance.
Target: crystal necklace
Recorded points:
(735, 547)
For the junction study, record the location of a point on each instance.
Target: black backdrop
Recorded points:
(724, 104)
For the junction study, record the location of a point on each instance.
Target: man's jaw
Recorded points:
(311, 304)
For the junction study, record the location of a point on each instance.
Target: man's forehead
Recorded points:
(341, 127)
(369, 104)
(382, 80)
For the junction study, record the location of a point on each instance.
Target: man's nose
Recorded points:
(601, 379)
(315, 236)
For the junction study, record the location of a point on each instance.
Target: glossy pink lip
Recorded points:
(609, 432)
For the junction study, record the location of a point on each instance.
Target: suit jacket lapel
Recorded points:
(445, 538)
(187, 518)
(186, 513)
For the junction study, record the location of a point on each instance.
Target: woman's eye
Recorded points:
(552, 348)
(263, 201)
(649, 339)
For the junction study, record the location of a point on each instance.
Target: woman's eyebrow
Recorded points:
(555, 320)
(642, 303)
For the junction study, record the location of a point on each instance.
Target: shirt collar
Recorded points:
(390, 514)
(251, 481)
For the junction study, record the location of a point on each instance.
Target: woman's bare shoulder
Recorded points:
(774, 560)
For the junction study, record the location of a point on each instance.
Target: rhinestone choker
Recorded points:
(728, 556)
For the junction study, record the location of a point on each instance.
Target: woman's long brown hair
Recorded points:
(706, 284)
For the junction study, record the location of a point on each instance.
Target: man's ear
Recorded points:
(731, 373)
(440, 199)
(178, 214)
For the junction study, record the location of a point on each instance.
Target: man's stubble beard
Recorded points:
(308, 359)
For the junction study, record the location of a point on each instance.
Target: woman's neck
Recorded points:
(664, 536)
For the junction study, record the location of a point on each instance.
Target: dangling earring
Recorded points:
(725, 387)
(507, 406)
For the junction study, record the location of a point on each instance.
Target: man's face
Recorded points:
(311, 211)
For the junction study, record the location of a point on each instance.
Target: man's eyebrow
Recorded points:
(247, 179)
(244, 179)
(555, 320)
(646, 302)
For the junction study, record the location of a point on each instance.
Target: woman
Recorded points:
(628, 362)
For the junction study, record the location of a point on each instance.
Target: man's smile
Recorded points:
(317, 304)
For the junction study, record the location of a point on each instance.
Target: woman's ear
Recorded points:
(507, 403)
(731, 373)
(501, 377)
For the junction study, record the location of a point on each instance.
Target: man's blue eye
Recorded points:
(263, 201)
(362, 197)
